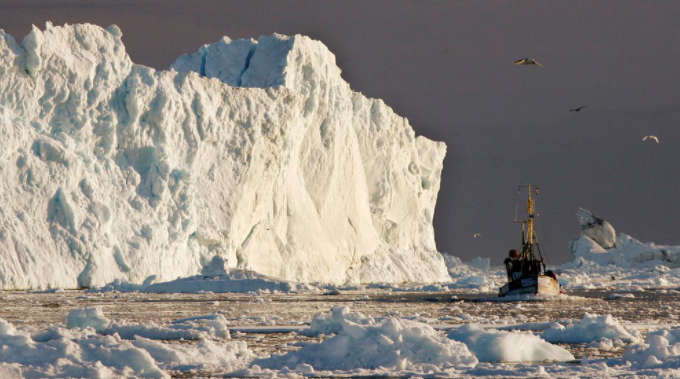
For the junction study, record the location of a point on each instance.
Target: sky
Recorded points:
(447, 67)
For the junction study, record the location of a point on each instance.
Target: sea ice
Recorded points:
(661, 349)
(590, 328)
(59, 352)
(502, 346)
(215, 277)
(334, 321)
(87, 317)
(392, 343)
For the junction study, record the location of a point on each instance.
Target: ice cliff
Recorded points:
(255, 150)
(599, 244)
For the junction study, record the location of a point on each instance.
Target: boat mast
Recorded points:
(530, 226)
(528, 231)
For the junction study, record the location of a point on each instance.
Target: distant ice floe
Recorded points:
(475, 275)
(599, 244)
(602, 259)
(537, 297)
(215, 277)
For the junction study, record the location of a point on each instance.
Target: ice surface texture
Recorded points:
(256, 150)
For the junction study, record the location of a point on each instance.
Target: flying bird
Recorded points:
(527, 62)
(477, 235)
(577, 109)
(655, 138)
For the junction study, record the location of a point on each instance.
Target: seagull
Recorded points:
(527, 62)
(655, 138)
(477, 235)
(577, 109)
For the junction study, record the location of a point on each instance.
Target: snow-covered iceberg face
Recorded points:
(254, 150)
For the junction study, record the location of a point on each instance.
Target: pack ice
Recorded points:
(254, 150)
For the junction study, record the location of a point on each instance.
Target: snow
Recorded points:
(591, 328)
(502, 346)
(254, 150)
(392, 343)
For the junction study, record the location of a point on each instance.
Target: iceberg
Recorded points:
(600, 245)
(254, 150)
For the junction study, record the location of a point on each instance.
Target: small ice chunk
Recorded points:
(87, 317)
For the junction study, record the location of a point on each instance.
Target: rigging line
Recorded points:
(546, 254)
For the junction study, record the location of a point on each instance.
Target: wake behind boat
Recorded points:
(527, 274)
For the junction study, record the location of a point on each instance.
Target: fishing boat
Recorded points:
(527, 273)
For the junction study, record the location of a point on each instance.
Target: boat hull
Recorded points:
(543, 284)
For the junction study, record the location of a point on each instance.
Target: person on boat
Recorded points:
(513, 265)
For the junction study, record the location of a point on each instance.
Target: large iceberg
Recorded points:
(600, 245)
(254, 150)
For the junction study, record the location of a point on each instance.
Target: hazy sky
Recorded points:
(446, 66)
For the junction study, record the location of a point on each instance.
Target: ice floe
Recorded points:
(392, 343)
(661, 349)
(503, 346)
(590, 328)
